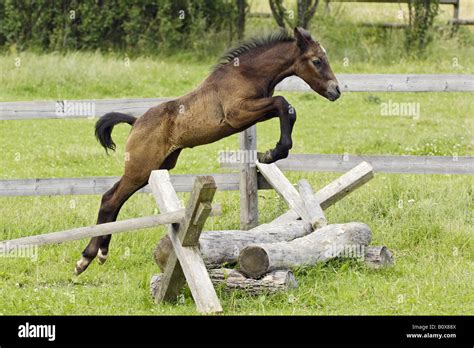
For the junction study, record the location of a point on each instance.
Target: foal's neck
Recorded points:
(273, 65)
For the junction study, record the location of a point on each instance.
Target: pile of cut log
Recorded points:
(265, 255)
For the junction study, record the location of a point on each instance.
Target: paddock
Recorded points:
(250, 180)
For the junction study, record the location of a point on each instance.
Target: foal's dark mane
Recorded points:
(253, 45)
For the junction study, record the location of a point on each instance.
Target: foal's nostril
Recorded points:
(338, 90)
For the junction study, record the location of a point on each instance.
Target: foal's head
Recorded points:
(312, 66)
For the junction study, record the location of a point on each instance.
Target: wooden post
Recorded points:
(185, 262)
(327, 8)
(456, 11)
(248, 179)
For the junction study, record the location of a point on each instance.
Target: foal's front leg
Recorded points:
(251, 111)
(287, 116)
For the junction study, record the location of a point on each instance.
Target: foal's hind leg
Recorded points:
(110, 206)
(169, 163)
(135, 177)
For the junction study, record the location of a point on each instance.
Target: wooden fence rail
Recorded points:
(391, 83)
(232, 181)
(65, 109)
(381, 164)
(442, 2)
(99, 185)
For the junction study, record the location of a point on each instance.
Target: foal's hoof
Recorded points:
(265, 157)
(101, 258)
(81, 266)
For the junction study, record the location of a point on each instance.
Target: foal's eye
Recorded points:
(317, 63)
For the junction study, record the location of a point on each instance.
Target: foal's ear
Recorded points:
(303, 38)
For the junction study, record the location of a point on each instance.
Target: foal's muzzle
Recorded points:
(333, 92)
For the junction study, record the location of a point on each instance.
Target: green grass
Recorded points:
(426, 220)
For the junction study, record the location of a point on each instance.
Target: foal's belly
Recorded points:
(191, 130)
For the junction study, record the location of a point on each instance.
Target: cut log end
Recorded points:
(253, 261)
(325, 243)
(378, 257)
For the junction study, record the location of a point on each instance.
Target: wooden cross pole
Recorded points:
(305, 204)
(185, 263)
(314, 210)
(325, 197)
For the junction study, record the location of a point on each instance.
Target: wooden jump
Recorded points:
(219, 247)
(265, 254)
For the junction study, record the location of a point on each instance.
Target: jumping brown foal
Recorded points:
(235, 96)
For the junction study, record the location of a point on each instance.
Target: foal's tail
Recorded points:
(105, 124)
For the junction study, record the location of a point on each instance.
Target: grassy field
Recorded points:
(426, 220)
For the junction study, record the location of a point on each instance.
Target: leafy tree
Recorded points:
(421, 18)
(305, 10)
(139, 25)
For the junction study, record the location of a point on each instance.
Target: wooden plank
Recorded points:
(443, 2)
(94, 231)
(462, 21)
(391, 83)
(260, 15)
(384, 25)
(345, 184)
(248, 179)
(197, 210)
(314, 210)
(185, 243)
(281, 184)
(65, 109)
(230, 181)
(196, 276)
(167, 200)
(348, 83)
(381, 164)
(164, 192)
(185, 262)
(336, 190)
(99, 185)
